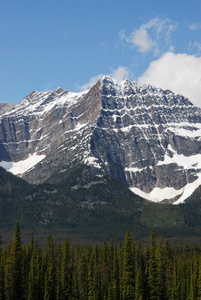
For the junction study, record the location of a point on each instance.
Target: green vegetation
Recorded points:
(111, 271)
(69, 206)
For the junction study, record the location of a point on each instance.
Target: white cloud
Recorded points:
(195, 47)
(152, 36)
(180, 73)
(91, 82)
(119, 74)
(195, 26)
(141, 39)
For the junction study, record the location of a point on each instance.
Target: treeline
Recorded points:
(125, 271)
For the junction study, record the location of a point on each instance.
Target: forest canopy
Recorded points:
(110, 271)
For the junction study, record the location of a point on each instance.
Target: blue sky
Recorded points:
(45, 44)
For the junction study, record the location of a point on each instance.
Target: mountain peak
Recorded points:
(147, 138)
(59, 90)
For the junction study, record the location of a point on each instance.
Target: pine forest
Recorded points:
(109, 271)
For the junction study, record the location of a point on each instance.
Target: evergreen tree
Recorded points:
(174, 289)
(97, 274)
(50, 282)
(140, 280)
(90, 280)
(49, 270)
(199, 279)
(109, 272)
(115, 276)
(183, 279)
(14, 271)
(192, 287)
(65, 271)
(161, 270)
(58, 272)
(105, 274)
(35, 280)
(153, 276)
(128, 279)
(2, 276)
(82, 276)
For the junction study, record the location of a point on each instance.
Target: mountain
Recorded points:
(144, 137)
(93, 214)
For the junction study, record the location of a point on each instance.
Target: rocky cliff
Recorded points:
(147, 138)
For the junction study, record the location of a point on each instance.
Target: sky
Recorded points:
(45, 44)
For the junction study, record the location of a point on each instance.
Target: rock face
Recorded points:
(147, 138)
(4, 107)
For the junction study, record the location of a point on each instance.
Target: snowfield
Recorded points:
(22, 166)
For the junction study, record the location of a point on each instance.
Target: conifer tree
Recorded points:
(199, 278)
(153, 276)
(115, 276)
(161, 271)
(82, 276)
(14, 272)
(49, 270)
(183, 279)
(90, 280)
(2, 276)
(174, 289)
(97, 274)
(65, 271)
(58, 272)
(105, 276)
(35, 280)
(128, 278)
(192, 287)
(110, 292)
(50, 281)
(140, 280)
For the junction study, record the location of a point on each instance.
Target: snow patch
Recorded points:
(91, 161)
(22, 166)
(133, 170)
(158, 194)
(187, 162)
(80, 126)
(185, 132)
(189, 189)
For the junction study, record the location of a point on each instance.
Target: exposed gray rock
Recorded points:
(4, 107)
(135, 133)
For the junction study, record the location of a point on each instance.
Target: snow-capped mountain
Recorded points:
(147, 138)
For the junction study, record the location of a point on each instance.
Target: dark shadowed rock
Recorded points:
(137, 134)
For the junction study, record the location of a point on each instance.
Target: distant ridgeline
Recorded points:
(145, 137)
(111, 271)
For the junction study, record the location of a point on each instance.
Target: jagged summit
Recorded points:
(146, 137)
(59, 90)
(4, 107)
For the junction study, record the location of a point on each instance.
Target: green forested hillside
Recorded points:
(92, 213)
(112, 271)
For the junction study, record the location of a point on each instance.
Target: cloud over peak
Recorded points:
(180, 73)
(118, 74)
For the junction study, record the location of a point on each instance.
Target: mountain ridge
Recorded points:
(137, 134)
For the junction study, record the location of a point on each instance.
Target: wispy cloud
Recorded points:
(153, 36)
(180, 73)
(105, 46)
(90, 83)
(118, 74)
(195, 47)
(195, 26)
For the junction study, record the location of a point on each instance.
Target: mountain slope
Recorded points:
(90, 213)
(144, 137)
